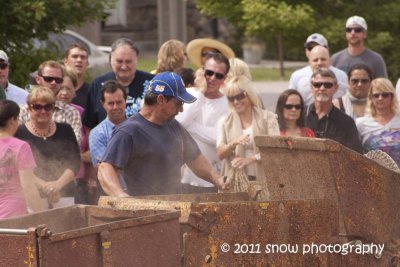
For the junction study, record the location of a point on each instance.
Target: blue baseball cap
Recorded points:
(170, 84)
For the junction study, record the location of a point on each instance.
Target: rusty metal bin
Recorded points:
(91, 236)
(366, 193)
(321, 193)
(230, 230)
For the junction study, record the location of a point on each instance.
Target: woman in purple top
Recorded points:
(17, 188)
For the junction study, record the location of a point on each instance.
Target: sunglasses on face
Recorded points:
(290, 106)
(210, 73)
(357, 30)
(3, 65)
(238, 97)
(208, 54)
(39, 107)
(357, 81)
(50, 79)
(384, 95)
(327, 85)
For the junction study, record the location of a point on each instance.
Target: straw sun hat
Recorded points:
(195, 47)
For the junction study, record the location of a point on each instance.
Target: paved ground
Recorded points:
(269, 91)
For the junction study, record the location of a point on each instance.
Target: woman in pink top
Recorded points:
(17, 188)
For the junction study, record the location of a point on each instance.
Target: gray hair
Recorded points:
(124, 41)
(324, 72)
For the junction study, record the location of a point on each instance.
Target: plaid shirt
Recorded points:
(63, 113)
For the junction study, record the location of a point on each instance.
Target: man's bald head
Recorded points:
(319, 57)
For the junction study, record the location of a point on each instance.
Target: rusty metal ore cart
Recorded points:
(211, 223)
(91, 236)
(321, 193)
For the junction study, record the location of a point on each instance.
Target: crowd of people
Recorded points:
(179, 130)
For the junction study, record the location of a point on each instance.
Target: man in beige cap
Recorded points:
(356, 52)
(314, 40)
(199, 50)
(12, 91)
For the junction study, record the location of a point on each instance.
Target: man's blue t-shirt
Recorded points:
(151, 155)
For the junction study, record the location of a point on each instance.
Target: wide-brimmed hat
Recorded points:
(170, 84)
(195, 47)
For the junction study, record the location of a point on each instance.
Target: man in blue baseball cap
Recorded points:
(151, 147)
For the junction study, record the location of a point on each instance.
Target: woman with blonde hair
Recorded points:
(380, 128)
(235, 144)
(238, 68)
(54, 148)
(171, 56)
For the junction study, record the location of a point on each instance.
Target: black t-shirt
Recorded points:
(81, 95)
(55, 154)
(335, 125)
(94, 112)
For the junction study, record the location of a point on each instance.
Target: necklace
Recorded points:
(36, 131)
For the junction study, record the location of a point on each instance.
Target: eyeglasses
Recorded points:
(50, 79)
(327, 85)
(290, 106)
(3, 65)
(384, 95)
(210, 73)
(238, 97)
(357, 81)
(39, 107)
(357, 30)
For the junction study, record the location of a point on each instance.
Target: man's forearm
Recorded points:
(203, 169)
(109, 180)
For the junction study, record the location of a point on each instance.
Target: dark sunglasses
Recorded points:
(238, 97)
(3, 65)
(357, 30)
(210, 73)
(208, 54)
(39, 107)
(50, 79)
(357, 81)
(326, 85)
(290, 106)
(384, 95)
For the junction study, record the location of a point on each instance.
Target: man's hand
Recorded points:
(223, 182)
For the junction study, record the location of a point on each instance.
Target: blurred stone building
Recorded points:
(152, 22)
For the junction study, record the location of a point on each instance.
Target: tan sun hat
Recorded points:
(195, 47)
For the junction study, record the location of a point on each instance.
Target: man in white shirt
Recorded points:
(201, 118)
(318, 57)
(12, 91)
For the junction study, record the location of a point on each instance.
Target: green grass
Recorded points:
(258, 73)
(269, 74)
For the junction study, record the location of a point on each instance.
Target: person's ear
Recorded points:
(160, 99)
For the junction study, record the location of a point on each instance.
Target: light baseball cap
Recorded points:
(3, 56)
(357, 20)
(316, 38)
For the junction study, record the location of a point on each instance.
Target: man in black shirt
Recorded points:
(76, 58)
(324, 118)
(123, 60)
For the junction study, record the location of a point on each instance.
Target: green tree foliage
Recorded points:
(328, 17)
(22, 21)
